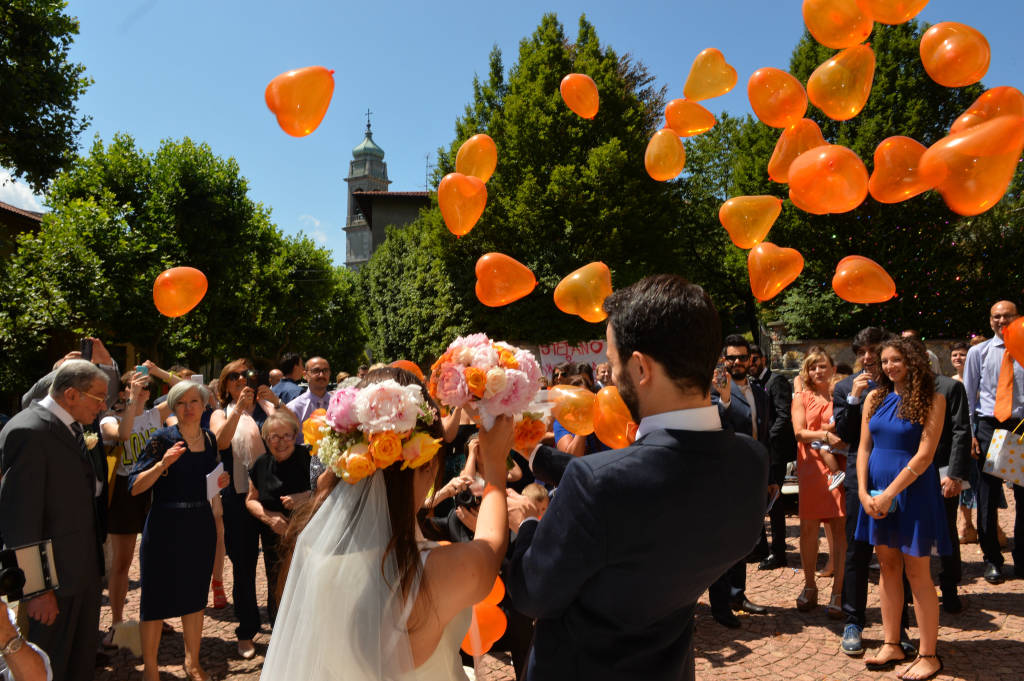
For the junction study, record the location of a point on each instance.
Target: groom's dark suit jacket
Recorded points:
(632, 538)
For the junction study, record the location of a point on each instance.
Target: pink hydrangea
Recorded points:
(452, 389)
(341, 413)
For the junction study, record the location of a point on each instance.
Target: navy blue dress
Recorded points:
(179, 539)
(917, 521)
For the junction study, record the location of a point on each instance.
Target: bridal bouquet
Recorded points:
(364, 430)
(493, 377)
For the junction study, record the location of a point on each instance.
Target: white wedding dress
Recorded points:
(339, 618)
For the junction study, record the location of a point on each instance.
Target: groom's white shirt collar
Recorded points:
(698, 418)
(60, 412)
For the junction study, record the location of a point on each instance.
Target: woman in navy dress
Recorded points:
(902, 512)
(179, 538)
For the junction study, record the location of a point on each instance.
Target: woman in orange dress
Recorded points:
(817, 469)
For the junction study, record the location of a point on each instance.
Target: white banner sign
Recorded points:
(589, 352)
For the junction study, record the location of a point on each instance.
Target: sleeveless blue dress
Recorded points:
(917, 521)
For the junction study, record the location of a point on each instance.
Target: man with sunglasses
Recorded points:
(318, 377)
(49, 491)
(744, 406)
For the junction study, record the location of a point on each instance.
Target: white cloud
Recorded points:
(18, 193)
(309, 221)
(319, 236)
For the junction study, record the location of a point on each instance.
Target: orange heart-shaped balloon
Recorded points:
(300, 98)
(178, 290)
(665, 156)
(478, 156)
(828, 179)
(496, 594)
(583, 292)
(802, 136)
(772, 269)
(749, 218)
(840, 87)
(955, 54)
(612, 419)
(863, 281)
(411, 367)
(688, 118)
(975, 166)
(838, 23)
(777, 98)
(999, 101)
(462, 199)
(579, 92)
(1013, 336)
(894, 12)
(573, 407)
(897, 175)
(710, 76)
(501, 280)
(486, 626)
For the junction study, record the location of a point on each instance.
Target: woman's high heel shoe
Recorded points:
(834, 609)
(808, 599)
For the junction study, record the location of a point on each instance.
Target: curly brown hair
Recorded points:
(919, 386)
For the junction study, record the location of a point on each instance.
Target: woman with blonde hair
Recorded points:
(902, 512)
(818, 470)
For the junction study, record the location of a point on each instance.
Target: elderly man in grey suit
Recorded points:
(47, 492)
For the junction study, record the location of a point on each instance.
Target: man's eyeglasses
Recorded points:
(98, 399)
(319, 370)
(1008, 317)
(737, 358)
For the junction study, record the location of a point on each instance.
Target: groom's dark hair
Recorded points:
(671, 321)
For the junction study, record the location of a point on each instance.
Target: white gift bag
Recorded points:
(1005, 456)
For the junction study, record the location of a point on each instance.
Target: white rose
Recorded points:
(496, 382)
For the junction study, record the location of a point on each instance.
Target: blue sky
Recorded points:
(167, 69)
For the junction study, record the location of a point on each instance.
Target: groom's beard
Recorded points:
(627, 389)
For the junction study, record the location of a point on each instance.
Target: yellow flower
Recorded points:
(385, 448)
(357, 467)
(420, 449)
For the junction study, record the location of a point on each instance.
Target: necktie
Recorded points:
(1004, 389)
(80, 438)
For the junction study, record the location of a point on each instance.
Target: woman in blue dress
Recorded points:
(902, 512)
(179, 538)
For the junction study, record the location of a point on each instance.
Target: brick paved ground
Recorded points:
(984, 643)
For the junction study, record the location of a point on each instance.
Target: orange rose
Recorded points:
(476, 379)
(507, 359)
(526, 434)
(311, 429)
(420, 449)
(385, 448)
(357, 467)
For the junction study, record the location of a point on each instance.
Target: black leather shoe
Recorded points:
(757, 555)
(727, 619)
(747, 606)
(772, 562)
(993, 573)
(951, 602)
(1018, 571)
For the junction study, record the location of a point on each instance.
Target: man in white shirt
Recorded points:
(318, 376)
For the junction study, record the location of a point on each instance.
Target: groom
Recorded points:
(634, 536)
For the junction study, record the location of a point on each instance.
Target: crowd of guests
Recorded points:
(886, 454)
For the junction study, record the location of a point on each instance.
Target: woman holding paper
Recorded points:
(179, 539)
(280, 483)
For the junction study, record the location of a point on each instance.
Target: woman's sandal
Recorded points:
(914, 664)
(834, 609)
(887, 664)
(808, 599)
(220, 600)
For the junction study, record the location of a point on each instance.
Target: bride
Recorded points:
(365, 597)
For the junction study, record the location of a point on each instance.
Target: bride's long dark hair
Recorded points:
(400, 489)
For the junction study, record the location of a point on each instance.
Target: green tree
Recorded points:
(933, 255)
(566, 192)
(120, 217)
(39, 120)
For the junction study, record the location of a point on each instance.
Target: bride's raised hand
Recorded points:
(495, 444)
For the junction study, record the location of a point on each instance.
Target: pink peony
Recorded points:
(517, 395)
(485, 357)
(341, 413)
(528, 365)
(388, 406)
(452, 389)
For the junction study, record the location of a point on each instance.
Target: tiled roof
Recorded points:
(21, 211)
(383, 193)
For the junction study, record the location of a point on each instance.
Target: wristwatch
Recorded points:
(12, 646)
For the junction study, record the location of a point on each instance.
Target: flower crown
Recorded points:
(363, 430)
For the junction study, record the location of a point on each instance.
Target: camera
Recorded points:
(254, 378)
(467, 499)
(27, 571)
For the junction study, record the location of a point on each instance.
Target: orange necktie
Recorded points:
(1004, 389)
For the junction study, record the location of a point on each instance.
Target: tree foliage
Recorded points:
(39, 120)
(566, 192)
(120, 217)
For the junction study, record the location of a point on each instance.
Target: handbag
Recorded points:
(1005, 456)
